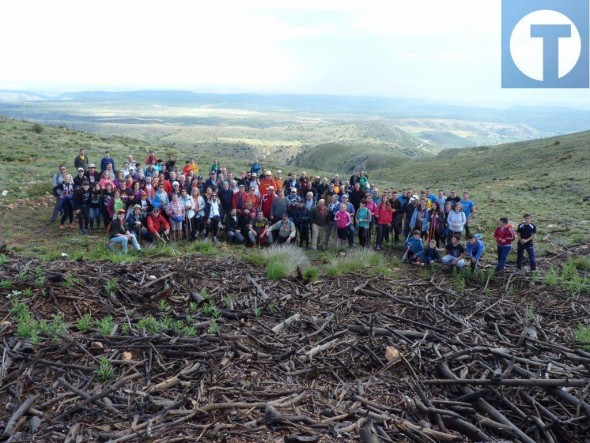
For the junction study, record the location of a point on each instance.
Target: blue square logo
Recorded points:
(545, 44)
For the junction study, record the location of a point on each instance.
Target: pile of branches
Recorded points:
(349, 358)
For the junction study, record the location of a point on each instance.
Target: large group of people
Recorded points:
(156, 199)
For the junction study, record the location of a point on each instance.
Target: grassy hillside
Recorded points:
(549, 178)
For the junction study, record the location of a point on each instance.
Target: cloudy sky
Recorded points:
(441, 50)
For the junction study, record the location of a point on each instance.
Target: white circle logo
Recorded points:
(527, 51)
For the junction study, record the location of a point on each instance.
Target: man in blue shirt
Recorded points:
(474, 249)
(469, 210)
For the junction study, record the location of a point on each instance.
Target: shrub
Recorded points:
(363, 261)
(583, 336)
(282, 261)
(38, 128)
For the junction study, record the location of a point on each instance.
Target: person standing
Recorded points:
(504, 236)
(526, 235)
(57, 180)
(81, 161)
(469, 210)
(105, 161)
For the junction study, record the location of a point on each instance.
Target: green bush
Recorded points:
(283, 261)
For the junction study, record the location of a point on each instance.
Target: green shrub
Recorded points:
(283, 261)
(38, 128)
(583, 336)
(311, 274)
(105, 371)
(106, 325)
(85, 323)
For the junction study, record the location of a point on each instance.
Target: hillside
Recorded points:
(548, 177)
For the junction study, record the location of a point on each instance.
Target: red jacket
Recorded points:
(157, 224)
(384, 216)
(504, 236)
(266, 203)
(245, 198)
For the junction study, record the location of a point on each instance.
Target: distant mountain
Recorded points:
(363, 145)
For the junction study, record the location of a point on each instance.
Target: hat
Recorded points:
(241, 186)
(293, 189)
(175, 184)
(268, 172)
(271, 188)
(80, 169)
(91, 165)
(414, 198)
(279, 171)
(253, 174)
(121, 211)
(143, 193)
(136, 207)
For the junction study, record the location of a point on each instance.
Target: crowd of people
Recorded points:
(161, 200)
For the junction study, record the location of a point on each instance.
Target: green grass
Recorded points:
(361, 261)
(283, 261)
(105, 371)
(85, 323)
(583, 336)
(105, 325)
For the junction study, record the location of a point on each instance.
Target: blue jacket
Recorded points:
(415, 245)
(475, 250)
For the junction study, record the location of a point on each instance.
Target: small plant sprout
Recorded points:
(85, 323)
(213, 327)
(111, 286)
(105, 371)
(106, 325)
(229, 302)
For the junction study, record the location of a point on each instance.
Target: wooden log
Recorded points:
(536, 382)
(13, 422)
(287, 322)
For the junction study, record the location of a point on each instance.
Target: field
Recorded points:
(209, 342)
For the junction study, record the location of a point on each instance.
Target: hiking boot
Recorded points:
(72, 226)
(62, 226)
(110, 247)
(215, 240)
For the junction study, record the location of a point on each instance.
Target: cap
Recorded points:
(121, 211)
(80, 169)
(91, 165)
(143, 193)
(241, 186)
(175, 184)
(271, 188)
(269, 172)
(136, 207)
(253, 174)
(279, 171)
(293, 189)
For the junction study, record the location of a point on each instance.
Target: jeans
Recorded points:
(351, 232)
(123, 241)
(94, 215)
(234, 236)
(317, 232)
(381, 229)
(530, 249)
(448, 259)
(363, 237)
(83, 217)
(503, 252)
(331, 227)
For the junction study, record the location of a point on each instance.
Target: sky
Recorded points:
(425, 49)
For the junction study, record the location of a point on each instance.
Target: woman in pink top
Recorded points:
(384, 217)
(342, 219)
